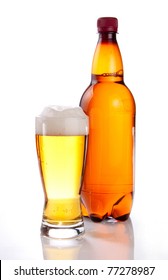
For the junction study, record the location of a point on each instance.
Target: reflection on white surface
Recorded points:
(67, 249)
(101, 241)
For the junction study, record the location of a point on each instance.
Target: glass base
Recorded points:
(61, 231)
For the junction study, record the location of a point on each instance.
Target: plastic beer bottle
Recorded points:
(108, 184)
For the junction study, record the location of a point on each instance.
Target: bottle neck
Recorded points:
(107, 61)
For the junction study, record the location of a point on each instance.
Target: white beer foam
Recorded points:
(61, 120)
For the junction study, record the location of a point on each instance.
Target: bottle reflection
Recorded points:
(101, 241)
(113, 241)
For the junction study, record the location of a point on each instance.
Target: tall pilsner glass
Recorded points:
(61, 134)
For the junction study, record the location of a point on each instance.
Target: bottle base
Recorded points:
(107, 206)
(108, 219)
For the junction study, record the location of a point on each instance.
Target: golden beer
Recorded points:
(61, 162)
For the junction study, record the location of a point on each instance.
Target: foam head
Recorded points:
(61, 120)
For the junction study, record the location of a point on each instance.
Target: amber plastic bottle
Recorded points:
(108, 185)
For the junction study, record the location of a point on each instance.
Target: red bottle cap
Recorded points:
(107, 24)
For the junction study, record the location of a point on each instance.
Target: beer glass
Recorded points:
(61, 137)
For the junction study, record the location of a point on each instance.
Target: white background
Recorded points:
(46, 50)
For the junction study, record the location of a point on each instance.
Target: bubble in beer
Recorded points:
(62, 120)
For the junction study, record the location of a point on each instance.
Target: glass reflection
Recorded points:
(61, 249)
(101, 241)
